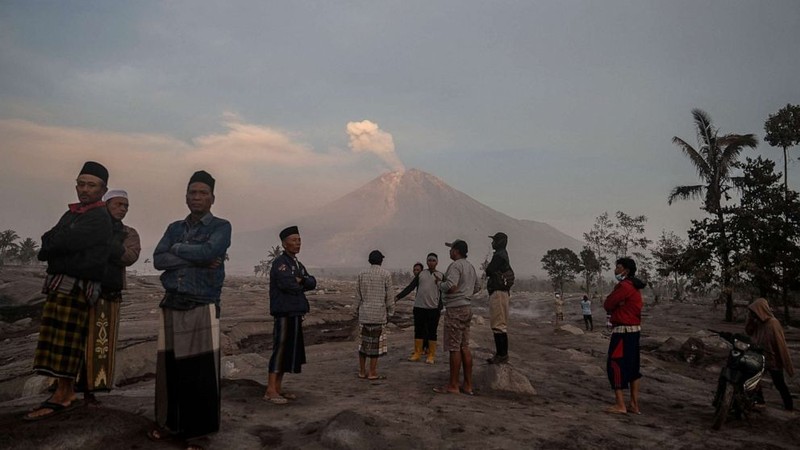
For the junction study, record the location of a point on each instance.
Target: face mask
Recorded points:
(619, 277)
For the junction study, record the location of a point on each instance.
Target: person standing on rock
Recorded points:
(768, 334)
(288, 282)
(499, 292)
(375, 306)
(624, 303)
(427, 304)
(192, 255)
(76, 250)
(103, 324)
(586, 309)
(459, 285)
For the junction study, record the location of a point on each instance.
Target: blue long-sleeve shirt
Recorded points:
(286, 295)
(185, 253)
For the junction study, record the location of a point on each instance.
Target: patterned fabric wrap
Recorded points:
(288, 347)
(101, 346)
(373, 340)
(62, 335)
(623, 363)
(188, 372)
(456, 327)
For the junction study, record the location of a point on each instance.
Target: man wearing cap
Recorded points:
(76, 250)
(459, 285)
(288, 282)
(375, 305)
(192, 255)
(499, 293)
(103, 326)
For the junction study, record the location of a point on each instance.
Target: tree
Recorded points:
(562, 265)
(598, 241)
(7, 239)
(590, 266)
(27, 251)
(668, 253)
(783, 130)
(264, 265)
(715, 159)
(765, 230)
(628, 234)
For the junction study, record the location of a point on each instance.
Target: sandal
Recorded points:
(276, 400)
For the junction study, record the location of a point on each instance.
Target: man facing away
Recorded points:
(498, 297)
(76, 250)
(288, 282)
(192, 255)
(101, 344)
(460, 283)
(586, 309)
(375, 305)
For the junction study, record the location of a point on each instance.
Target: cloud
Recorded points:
(367, 137)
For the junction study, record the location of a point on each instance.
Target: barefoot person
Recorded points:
(459, 285)
(768, 334)
(288, 282)
(375, 306)
(426, 309)
(76, 250)
(624, 304)
(192, 255)
(103, 325)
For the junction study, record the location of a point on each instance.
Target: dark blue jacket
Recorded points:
(78, 246)
(286, 296)
(186, 251)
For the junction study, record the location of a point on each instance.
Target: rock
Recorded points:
(249, 366)
(478, 320)
(22, 323)
(351, 431)
(35, 385)
(570, 329)
(135, 363)
(504, 377)
(693, 350)
(671, 345)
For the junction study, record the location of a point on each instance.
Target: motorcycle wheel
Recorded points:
(723, 407)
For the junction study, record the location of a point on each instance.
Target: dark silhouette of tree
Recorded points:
(590, 267)
(7, 242)
(628, 234)
(598, 240)
(561, 265)
(667, 253)
(27, 251)
(783, 130)
(715, 159)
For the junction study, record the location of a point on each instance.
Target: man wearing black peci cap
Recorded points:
(192, 255)
(76, 250)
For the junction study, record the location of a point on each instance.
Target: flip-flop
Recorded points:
(362, 377)
(379, 377)
(289, 396)
(612, 410)
(276, 400)
(444, 390)
(56, 408)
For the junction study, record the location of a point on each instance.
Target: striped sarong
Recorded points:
(62, 335)
(101, 345)
(288, 347)
(373, 340)
(188, 371)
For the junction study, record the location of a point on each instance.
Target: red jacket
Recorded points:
(624, 303)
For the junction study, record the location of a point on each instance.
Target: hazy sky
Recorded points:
(553, 111)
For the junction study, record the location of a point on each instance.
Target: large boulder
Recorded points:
(504, 377)
(570, 329)
(351, 431)
(135, 363)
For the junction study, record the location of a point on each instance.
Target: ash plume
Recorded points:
(367, 137)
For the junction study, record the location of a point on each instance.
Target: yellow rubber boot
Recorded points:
(417, 350)
(431, 352)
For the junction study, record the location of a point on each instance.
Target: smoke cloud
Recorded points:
(367, 137)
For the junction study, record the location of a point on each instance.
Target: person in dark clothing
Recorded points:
(624, 304)
(767, 333)
(499, 294)
(76, 251)
(288, 282)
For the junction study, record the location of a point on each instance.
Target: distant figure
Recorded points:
(586, 309)
(375, 305)
(499, 293)
(288, 282)
(76, 250)
(97, 373)
(427, 308)
(559, 309)
(459, 285)
(624, 304)
(192, 255)
(767, 333)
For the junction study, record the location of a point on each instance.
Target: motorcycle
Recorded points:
(738, 380)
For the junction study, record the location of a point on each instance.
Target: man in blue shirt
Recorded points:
(192, 256)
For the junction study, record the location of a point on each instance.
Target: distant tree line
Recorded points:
(748, 242)
(11, 251)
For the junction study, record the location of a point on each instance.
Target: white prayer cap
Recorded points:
(114, 193)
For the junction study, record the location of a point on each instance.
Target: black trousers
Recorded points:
(426, 321)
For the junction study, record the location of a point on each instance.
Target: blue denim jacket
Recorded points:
(184, 254)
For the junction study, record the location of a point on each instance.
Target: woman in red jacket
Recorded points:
(624, 304)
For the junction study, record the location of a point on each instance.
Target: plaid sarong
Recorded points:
(101, 346)
(62, 335)
(373, 340)
(188, 371)
(288, 348)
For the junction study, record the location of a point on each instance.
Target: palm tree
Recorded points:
(7, 239)
(714, 159)
(28, 250)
